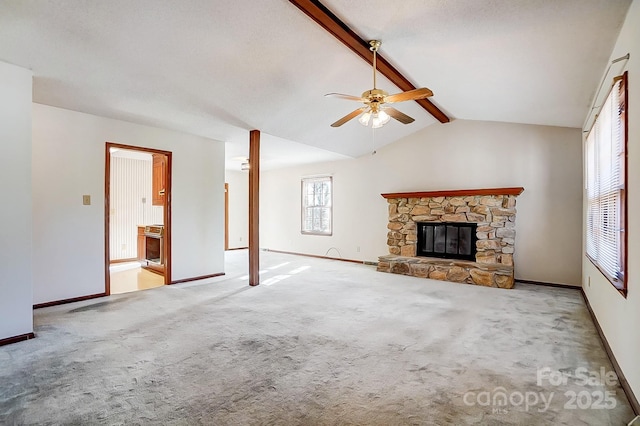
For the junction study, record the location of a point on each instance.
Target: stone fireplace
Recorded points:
(427, 236)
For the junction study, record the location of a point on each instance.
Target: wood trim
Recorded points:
(254, 207)
(362, 262)
(107, 208)
(226, 216)
(167, 218)
(138, 148)
(624, 208)
(133, 259)
(456, 193)
(201, 277)
(160, 270)
(332, 24)
(107, 213)
(16, 339)
(237, 248)
(65, 301)
(559, 285)
(633, 401)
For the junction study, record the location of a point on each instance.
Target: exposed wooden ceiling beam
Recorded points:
(330, 22)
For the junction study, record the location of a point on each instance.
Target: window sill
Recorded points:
(619, 285)
(323, 234)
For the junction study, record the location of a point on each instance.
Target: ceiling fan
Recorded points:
(375, 98)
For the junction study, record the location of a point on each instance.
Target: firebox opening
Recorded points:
(450, 240)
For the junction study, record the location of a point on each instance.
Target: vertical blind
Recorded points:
(605, 158)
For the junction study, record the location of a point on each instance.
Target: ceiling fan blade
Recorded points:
(349, 116)
(410, 95)
(347, 97)
(400, 116)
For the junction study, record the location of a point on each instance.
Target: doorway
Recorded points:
(137, 218)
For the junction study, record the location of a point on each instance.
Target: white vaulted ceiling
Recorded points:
(219, 68)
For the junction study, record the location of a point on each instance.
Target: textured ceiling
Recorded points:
(219, 68)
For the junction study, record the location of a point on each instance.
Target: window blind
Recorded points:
(605, 167)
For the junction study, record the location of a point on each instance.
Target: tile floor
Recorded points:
(128, 277)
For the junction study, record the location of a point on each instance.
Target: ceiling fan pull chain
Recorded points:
(373, 141)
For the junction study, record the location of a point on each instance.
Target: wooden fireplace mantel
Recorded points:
(456, 193)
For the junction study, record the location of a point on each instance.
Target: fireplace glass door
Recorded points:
(447, 240)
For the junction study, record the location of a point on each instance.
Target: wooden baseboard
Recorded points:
(156, 269)
(362, 262)
(133, 259)
(16, 339)
(573, 287)
(65, 301)
(236, 248)
(621, 378)
(202, 277)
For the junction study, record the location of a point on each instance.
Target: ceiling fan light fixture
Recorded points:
(379, 119)
(364, 118)
(384, 117)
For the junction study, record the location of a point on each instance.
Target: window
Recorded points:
(606, 186)
(316, 205)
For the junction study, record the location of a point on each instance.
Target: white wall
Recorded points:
(16, 283)
(238, 208)
(69, 161)
(618, 316)
(546, 161)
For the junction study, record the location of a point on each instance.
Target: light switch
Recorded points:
(86, 200)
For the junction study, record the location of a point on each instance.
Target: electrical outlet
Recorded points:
(240, 238)
(358, 249)
(86, 200)
(124, 247)
(144, 200)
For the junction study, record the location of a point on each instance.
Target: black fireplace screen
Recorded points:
(447, 239)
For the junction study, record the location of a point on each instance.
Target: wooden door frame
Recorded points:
(226, 216)
(107, 210)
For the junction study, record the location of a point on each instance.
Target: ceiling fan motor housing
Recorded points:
(375, 95)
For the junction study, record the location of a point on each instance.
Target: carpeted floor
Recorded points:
(319, 342)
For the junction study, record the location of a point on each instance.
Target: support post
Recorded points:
(254, 210)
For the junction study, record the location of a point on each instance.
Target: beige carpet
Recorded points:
(318, 343)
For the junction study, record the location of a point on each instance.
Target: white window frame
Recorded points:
(317, 209)
(606, 186)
